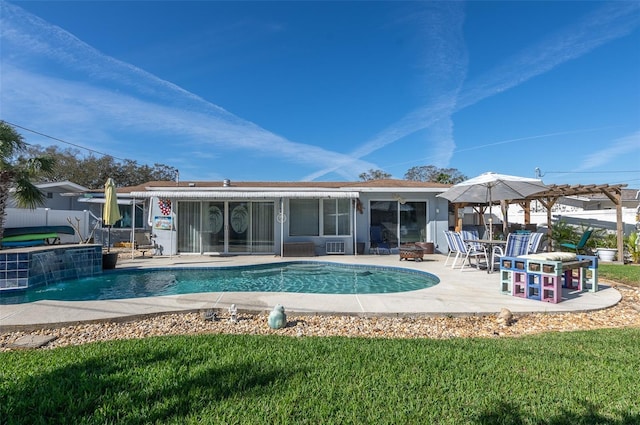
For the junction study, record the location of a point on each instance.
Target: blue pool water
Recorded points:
(300, 277)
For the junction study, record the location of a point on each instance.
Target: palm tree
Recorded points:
(18, 175)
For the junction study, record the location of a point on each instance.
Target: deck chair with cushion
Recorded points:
(580, 246)
(378, 244)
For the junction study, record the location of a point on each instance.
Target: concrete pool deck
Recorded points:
(470, 292)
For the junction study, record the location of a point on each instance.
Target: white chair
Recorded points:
(470, 250)
(453, 248)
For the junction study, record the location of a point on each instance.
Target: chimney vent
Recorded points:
(226, 183)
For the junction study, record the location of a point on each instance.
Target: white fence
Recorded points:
(18, 217)
(604, 219)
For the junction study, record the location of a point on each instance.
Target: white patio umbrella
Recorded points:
(490, 187)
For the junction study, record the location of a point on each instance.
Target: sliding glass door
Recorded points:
(213, 227)
(226, 227)
(397, 223)
(189, 226)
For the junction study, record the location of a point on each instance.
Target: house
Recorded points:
(296, 218)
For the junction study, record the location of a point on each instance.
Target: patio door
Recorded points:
(213, 226)
(189, 226)
(218, 227)
(404, 222)
(384, 215)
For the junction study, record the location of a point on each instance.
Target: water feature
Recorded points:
(21, 269)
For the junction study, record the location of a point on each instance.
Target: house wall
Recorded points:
(436, 223)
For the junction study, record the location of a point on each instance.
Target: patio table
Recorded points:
(489, 244)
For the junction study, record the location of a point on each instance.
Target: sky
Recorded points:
(324, 91)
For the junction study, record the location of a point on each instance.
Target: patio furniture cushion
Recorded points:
(551, 256)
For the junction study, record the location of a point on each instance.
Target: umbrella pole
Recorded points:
(490, 215)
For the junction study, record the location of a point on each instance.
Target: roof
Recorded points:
(386, 183)
(61, 187)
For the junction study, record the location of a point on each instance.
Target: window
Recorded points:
(126, 221)
(304, 217)
(336, 217)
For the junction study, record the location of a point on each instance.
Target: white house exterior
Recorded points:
(207, 218)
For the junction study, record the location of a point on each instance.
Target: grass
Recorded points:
(628, 274)
(556, 378)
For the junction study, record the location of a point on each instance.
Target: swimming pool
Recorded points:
(299, 277)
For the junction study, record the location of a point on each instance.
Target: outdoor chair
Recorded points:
(517, 244)
(378, 244)
(453, 248)
(534, 242)
(473, 250)
(145, 242)
(469, 236)
(580, 246)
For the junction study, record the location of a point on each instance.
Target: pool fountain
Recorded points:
(29, 267)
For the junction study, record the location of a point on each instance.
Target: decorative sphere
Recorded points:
(277, 318)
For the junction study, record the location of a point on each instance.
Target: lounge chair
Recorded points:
(580, 246)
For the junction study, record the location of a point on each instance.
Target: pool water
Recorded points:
(299, 277)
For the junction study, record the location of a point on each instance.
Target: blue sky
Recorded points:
(323, 91)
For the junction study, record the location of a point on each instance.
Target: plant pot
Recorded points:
(606, 254)
(109, 260)
(427, 247)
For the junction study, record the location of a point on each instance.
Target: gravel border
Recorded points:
(623, 315)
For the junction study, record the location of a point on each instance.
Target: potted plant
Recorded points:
(607, 247)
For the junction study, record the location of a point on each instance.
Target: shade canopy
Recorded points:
(110, 210)
(489, 187)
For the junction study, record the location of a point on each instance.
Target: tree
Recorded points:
(91, 171)
(431, 173)
(17, 172)
(374, 175)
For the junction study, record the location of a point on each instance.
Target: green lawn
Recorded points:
(623, 273)
(555, 378)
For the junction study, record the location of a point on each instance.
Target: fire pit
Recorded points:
(411, 252)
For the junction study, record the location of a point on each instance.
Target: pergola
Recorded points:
(549, 197)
